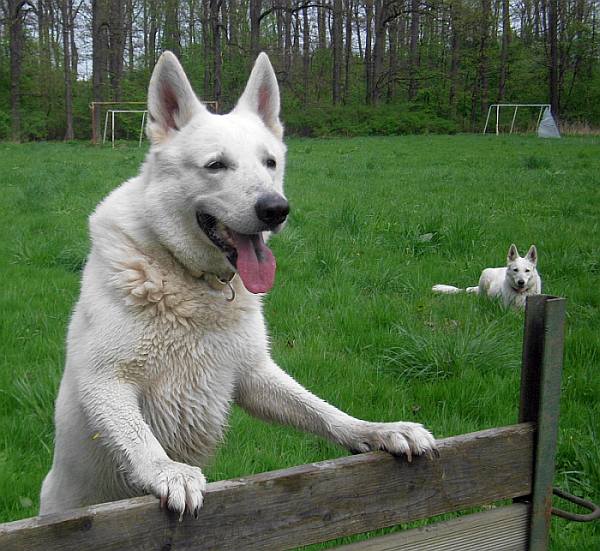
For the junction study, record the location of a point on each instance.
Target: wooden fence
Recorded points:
(351, 495)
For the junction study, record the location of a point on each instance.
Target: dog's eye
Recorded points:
(527, 270)
(515, 269)
(271, 163)
(216, 165)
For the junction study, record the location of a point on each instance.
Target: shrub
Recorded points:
(365, 121)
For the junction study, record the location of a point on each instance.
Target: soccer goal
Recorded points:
(539, 110)
(116, 108)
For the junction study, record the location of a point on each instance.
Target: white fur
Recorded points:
(156, 355)
(513, 284)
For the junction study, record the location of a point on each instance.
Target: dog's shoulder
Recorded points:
(491, 281)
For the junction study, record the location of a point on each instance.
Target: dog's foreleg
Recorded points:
(269, 393)
(116, 422)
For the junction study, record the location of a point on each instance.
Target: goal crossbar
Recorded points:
(95, 107)
(497, 106)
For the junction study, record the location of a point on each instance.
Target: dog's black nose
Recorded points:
(521, 282)
(272, 209)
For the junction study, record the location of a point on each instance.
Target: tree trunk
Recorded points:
(296, 37)
(130, 35)
(206, 48)
(234, 8)
(74, 51)
(504, 50)
(215, 26)
(287, 42)
(368, 59)
(378, 52)
(393, 57)
(482, 70)
(455, 56)
(44, 60)
(172, 36)
(255, 10)
(358, 30)
(116, 39)
(337, 43)
(99, 61)
(66, 8)
(305, 55)
(152, 34)
(348, 56)
(321, 28)
(145, 31)
(553, 66)
(413, 64)
(16, 55)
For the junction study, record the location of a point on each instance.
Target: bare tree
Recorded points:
(413, 66)
(481, 87)
(337, 47)
(305, 54)
(215, 27)
(393, 58)
(66, 9)
(553, 65)
(255, 8)
(368, 58)
(172, 35)
(287, 40)
(15, 22)
(116, 45)
(504, 50)
(348, 53)
(321, 26)
(455, 54)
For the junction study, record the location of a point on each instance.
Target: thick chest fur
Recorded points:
(187, 382)
(189, 348)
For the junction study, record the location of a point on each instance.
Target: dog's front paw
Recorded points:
(179, 486)
(401, 438)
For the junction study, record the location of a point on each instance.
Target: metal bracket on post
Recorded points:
(543, 346)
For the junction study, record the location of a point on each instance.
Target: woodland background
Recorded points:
(346, 67)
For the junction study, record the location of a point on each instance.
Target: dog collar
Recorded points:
(220, 284)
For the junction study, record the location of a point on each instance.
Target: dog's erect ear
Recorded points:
(261, 95)
(513, 253)
(171, 100)
(532, 254)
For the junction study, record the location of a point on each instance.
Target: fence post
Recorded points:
(543, 345)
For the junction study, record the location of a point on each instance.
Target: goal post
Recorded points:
(113, 107)
(495, 108)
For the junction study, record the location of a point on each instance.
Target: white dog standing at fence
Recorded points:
(168, 331)
(513, 283)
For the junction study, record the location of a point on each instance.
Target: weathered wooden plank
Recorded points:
(301, 505)
(501, 529)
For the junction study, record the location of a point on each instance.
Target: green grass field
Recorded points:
(375, 222)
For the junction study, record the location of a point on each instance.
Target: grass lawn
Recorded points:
(375, 222)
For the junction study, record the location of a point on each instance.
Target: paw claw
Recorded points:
(178, 486)
(407, 439)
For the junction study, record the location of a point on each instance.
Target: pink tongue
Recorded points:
(255, 262)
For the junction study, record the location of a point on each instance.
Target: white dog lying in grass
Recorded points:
(169, 332)
(512, 284)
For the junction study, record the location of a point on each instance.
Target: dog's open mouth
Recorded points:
(253, 260)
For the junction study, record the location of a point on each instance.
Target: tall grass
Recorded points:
(375, 223)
